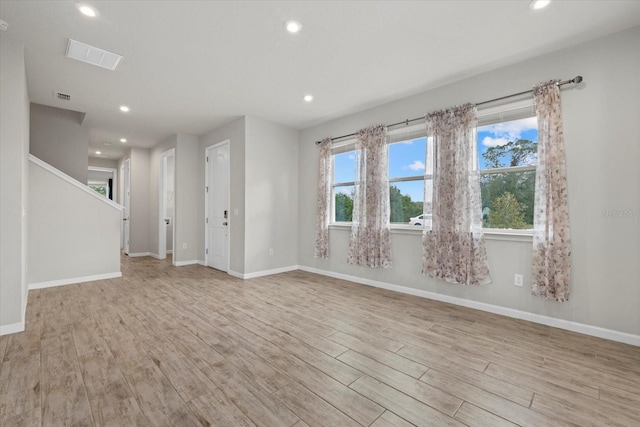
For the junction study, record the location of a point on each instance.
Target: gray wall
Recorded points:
(103, 163)
(188, 192)
(58, 138)
(140, 190)
(14, 180)
(271, 196)
(602, 133)
(235, 133)
(154, 186)
(67, 243)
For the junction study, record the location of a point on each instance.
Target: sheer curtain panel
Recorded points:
(454, 247)
(551, 235)
(369, 243)
(323, 216)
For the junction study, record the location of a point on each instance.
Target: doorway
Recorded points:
(127, 204)
(217, 206)
(104, 181)
(166, 198)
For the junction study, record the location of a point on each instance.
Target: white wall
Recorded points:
(72, 234)
(58, 138)
(271, 196)
(602, 133)
(235, 133)
(14, 179)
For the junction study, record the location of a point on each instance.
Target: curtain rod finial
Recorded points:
(577, 79)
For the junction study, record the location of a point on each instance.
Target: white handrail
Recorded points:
(75, 182)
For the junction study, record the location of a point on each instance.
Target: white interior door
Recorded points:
(217, 212)
(121, 201)
(166, 204)
(127, 204)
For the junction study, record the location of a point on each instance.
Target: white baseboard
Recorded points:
(72, 280)
(182, 263)
(568, 325)
(263, 272)
(201, 262)
(12, 328)
(138, 254)
(156, 256)
(169, 251)
(19, 326)
(235, 274)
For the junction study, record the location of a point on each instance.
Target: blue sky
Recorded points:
(407, 158)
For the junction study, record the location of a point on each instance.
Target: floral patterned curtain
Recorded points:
(370, 244)
(454, 247)
(323, 216)
(551, 237)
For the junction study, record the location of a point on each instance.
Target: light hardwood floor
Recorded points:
(192, 346)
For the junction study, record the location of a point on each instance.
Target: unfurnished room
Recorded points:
(320, 213)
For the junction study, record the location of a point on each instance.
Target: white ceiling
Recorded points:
(191, 66)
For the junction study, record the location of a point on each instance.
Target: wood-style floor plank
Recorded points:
(389, 419)
(405, 406)
(192, 346)
(311, 409)
(260, 406)
(431, 396)
(473, 416)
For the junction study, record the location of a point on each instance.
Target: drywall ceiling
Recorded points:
(191, 66)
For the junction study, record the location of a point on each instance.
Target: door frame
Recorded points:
(206, 201)
(162, 203)
(126, 228)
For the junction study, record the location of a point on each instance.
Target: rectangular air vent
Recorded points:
(62, 96)
(92, 55)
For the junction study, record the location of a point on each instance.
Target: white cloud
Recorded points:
(417, 165)
(530, 160)
(345, 190)
(507, 131)
(351, 157)
(487, 141)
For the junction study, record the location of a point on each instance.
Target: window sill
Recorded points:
(489, 234)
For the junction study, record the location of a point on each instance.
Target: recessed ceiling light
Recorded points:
(87, 10)
(98, 152)
(308, 98)
(124, 108)
(123, 140)
(293, 26)
(538, 4)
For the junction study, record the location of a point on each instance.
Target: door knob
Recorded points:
(225, 223)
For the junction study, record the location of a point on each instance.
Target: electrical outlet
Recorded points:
(271, 251)
(518, 280)
(184, 246)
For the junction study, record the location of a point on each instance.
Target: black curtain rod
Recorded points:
(576, 80)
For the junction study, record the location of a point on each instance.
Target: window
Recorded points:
(407, 177)
(407, 180)
(507, 142)
(507, 151)
(99, 187)
(344, 177)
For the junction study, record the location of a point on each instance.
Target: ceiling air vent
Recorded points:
(92, 55)
(62, 96)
